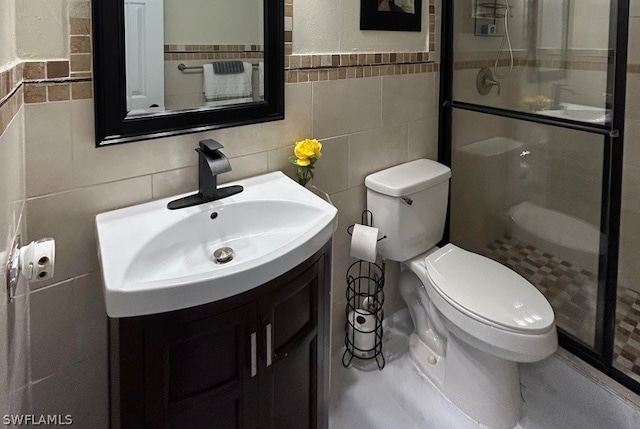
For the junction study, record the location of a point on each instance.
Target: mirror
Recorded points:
(167, 67)
(551, 36)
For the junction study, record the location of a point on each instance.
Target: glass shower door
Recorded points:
(532, 118)
(546, 57)
(529, 196)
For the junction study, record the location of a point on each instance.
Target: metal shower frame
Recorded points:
(601, 355)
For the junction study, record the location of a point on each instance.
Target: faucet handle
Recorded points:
(210, 156)
(209, 146)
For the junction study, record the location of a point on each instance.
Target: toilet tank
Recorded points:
(409, 206)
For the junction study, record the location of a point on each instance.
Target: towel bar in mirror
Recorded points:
(152, 85)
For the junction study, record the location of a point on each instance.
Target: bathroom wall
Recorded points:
(213, 22)
(629, 269)
(365, 124)
(371, 108)
(14, 344)
(334, 26)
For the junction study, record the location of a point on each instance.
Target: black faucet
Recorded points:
(557, 89)
(211, 163)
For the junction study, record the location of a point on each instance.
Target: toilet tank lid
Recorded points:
(408, 178)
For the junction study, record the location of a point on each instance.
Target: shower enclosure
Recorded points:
(532, 122)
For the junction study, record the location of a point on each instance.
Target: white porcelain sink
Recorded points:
(578, 112)
(156, 260)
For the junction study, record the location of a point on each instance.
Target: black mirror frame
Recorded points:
(111, 122)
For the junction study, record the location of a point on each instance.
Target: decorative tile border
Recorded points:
(296, 62)
(212, 52)
(54, 81)
(313, 67)
(11, 95)
(578, 59)
(63, 80)
(476, 64)
(60, 90)
(80, 63)
(633, 68)
(213, 48)
(10, 80)
(339, 73)
(185, 56)
(565, 65)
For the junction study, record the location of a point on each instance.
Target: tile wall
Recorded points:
(366, 121)
(14, 317)
(629, 269)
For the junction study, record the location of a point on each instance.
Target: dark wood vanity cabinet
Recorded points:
(257, 360)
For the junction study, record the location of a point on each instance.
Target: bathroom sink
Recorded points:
(156, 260)
(578, 112)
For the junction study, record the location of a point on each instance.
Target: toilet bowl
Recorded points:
(474, 318)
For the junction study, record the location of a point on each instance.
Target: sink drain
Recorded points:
(223, 255)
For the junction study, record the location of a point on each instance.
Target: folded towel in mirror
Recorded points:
(228, 67)
(226, 86)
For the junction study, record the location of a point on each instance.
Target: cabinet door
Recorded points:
(290, 371)
(203, 374)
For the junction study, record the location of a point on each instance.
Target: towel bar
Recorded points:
(183, 67)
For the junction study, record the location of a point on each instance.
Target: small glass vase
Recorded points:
(305, 176)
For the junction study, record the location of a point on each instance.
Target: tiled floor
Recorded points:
(556, 395)
(571, 291)
(626, 347)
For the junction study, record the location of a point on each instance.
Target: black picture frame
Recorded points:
(114, 126)
(373, 19)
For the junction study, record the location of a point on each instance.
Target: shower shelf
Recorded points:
(487, 18)
(493, 11)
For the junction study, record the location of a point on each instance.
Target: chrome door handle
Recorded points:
(254, 355)
(269, 345)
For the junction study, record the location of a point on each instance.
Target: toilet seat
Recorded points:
(488, 291)
(484, 324)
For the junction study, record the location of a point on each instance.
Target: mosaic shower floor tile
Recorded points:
(572, 292)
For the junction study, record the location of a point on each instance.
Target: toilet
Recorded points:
(474, 318)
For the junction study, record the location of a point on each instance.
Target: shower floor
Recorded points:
(572, 292)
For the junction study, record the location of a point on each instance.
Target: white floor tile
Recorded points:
(556, 396)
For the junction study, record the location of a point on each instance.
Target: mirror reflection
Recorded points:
(552, 23)
(193, 54)
(547, 57)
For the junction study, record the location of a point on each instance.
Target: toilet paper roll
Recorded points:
(364, 243)
(363, 336)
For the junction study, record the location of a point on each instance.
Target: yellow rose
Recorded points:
(308, 148)
(302, 162)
